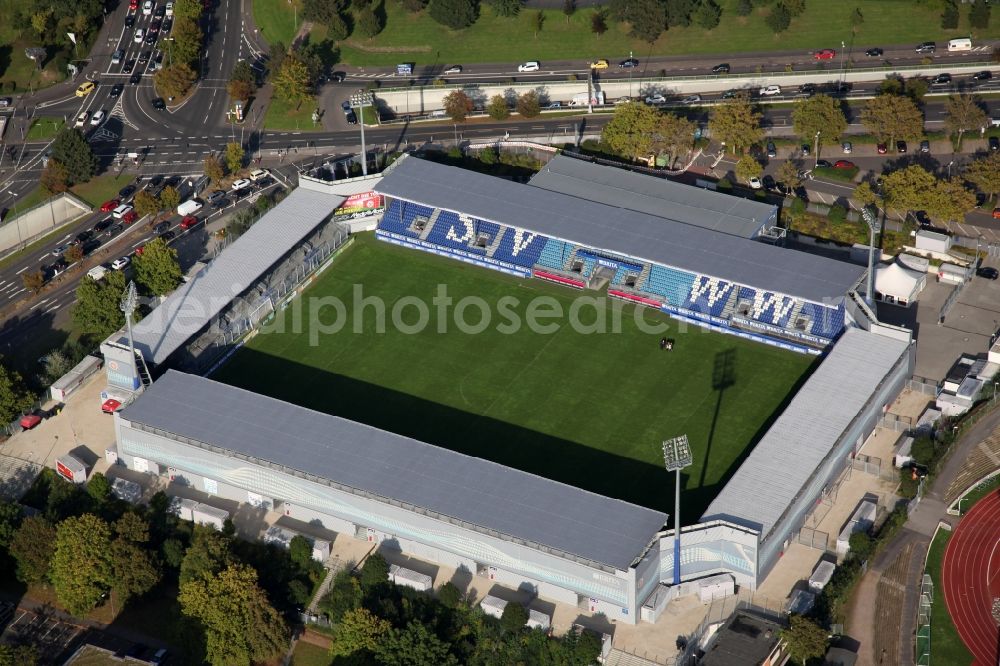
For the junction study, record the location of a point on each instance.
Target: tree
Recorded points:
(18, 655)
(963, 114)
(679, 12)
(648, 19)
(455, 14)
(189, 9)
(156, 269)
(638, 130)
(514, 617)
(359, 630)
(337, 29)
(736, 123)
(206, 556)
(861, 545)
(599, 21)
(73, 254)
(778, 19)
(915, 188)
(292, 82)
(747, 167)
(213, 168)
(788, 174)
(276, 58)
(506, 8)
(11, 517)
(374, 571)
(71, 149)
(145, 203)
(916, 88)
(33, 281)
(856, 19)
(528, 105)
(707, 14)
(96, 311)
(322, 11)
(538, 21)
(173, 553)
(952, 200)
(795, 7)
(891, 117)
(344, 595)
(99, 488)
(184, 46)
(32, 546)
(81, 564)
(497, 108)
(175, 80)
(369, 23)
(15, 398)
(241, 627)
(135, 569)
(458, 105)
(300, 551)
(805, 639)
(170, 198)
(821, 114)
(865, 195)
(449, 595)
(415, 645)
(744, 7)
(569, 8)
(949, 16)
(234, 157)
(242, 82)
(984, 173)
(54, 177)
(979, 15)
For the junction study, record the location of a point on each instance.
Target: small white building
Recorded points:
(493, 606)
(932, 241)
(821, 575)
(409, 578)
(898, 285)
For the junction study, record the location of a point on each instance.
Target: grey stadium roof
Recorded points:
(193, 305)
(803, 435)
(638, 235)
(655, 196)
(492, 496)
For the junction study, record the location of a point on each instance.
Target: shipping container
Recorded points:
(821, 575)
(182, 508)
(493, 606)
(539, 620)
(410, 578)
(210, 515)
(71, 468)
(73, 379)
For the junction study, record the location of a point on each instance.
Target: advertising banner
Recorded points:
(365, 202)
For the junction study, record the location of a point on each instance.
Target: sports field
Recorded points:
(586, 408)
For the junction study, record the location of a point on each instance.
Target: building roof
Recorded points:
(660, 197)
(898, 281)
(193, 305)
(634, 234)
(477, 491)
(745, 640)
(781, 464)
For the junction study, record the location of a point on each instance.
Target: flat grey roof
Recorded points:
(492, 496)
(663, 198)
(193, 305)
(803, 435)
(638, 235)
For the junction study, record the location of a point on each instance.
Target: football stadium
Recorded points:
(481, 374)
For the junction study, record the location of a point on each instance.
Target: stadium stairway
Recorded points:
(492, 247)
(731, 303)
(568, 264)
(640, 284)
(430, 224)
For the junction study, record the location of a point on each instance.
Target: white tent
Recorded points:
(898, 285)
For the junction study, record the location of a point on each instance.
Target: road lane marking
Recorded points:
(22, 270)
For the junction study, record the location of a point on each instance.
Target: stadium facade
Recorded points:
(717, 268)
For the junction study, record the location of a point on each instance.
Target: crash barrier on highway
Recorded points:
(44, 218)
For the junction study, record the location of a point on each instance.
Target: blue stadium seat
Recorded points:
(554, 254)
(621, 273)
(399, 216)
(767, 307)
(708, 295)
(520, 247)
(672, 284)
(459, 231)
(827, 322)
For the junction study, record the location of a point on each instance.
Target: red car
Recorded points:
(188, 222)
(133, 5)
(139, 250)
(109, 205)
(996, 213)
(29, 421)
(825, 54)
(110, 406)
(882, 149)
(130, 217)
(843, 164)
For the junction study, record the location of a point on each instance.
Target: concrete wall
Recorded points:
(42, 219)
(424, 99)
(437, 540)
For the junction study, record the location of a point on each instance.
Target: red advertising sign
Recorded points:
(364, 202)
(64, 471)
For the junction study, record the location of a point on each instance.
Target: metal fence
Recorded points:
(896, 423)
(813, 538)
(923, 646)
(923, 385)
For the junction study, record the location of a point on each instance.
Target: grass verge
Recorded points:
(277, 19)
(44, 128)
(571, 403)
(101, 188)
(307, 654)
(947, 646)
(831, 173)
(282, 115)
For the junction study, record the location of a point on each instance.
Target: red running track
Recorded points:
(971, 578)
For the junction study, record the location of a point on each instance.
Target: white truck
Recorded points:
(188, 207)
(585, 99)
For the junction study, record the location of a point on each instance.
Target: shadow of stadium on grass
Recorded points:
(481, 436)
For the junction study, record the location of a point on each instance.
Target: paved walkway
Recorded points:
(919, 529)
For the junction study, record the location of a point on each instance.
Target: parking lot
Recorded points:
(53, 637)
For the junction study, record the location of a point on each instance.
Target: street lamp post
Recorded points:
(949, 169)
(360, 100)
(677, 456)
(872, 222)
(630, 74)
(816, 149)
(129, 301)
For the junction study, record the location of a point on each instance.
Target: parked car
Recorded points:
(721, 69)
(926, 47)
(240, 184)
(81, 119)
(215, 196)
(941, 80)
(807, 89)
(691, 99)
(843, 164)
(996, 213)
(656, 99)
(161, 227)
(454, 69)
(900, 146)
(755, 183)
(97, 118)
(987, 272)
(530, 66)
(109, 205)
(221, 203)
(352, 118)
(769, 183)
(984, 75)
(882, 148)
(847, 147)
(772, 150)
(874, 52)
(925, 146)
(29, 421)
(628, 63)
(980, 199)
(768, 91)
(130, 217)
(188, 222)
(825, 54)
(120, 263)
(110, 406)
(103, 224)
(600, 63)
(994, 143)
(823, 164)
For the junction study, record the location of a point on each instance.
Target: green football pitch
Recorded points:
(575, 405)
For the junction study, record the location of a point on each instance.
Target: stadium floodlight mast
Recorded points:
(127, 305)
(872, 221)
(677, 456)
(360, 100)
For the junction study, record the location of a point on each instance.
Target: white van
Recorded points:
(964, 44)
(188, 207)
(258, 174)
